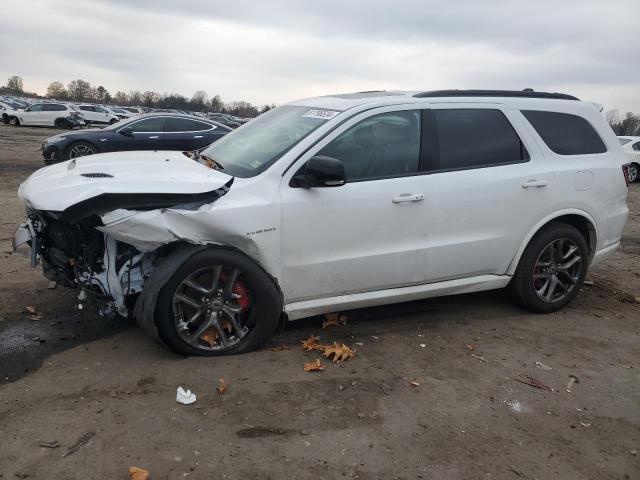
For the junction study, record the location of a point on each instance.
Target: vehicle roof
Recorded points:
(629, 137)
(519, 99)
(179, 115)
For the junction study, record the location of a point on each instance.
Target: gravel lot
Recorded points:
(64, 374)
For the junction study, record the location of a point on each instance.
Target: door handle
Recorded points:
(408, 197)
(155, 136)
(534, 183)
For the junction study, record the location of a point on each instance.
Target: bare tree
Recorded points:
(149, 98)
(56, 90)
(79, 90)
(15, 84)
(120, 98)
(216, 104)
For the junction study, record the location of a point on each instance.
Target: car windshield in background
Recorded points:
(250, 150)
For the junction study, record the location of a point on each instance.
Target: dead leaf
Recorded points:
(313, 366)
(209, 336)
(339, 352)
(310, 343)
(222, 386)
(137, 473)
(470, 346)
(280, 348)
(414, 383)
(226, 325)
(32, 312)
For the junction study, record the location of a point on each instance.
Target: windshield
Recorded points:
(255, 146)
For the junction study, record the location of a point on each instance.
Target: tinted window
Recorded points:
(472, 138)
(99, 110)
(86, 108)
(175, 124)
(636, 146)
(384, 145)
(565, 134)
(53, 107)
(35, 108)
(153, 124)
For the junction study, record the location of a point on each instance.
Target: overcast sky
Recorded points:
(280, 50)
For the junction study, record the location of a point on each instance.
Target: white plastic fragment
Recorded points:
(185, 397)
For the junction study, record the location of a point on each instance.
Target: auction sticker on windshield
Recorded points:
(323, 114)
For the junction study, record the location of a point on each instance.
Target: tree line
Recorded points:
(82, 91)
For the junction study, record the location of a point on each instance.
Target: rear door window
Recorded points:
(472, 138)
(564, 133)
(175, 124)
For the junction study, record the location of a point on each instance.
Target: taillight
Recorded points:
(625, 172)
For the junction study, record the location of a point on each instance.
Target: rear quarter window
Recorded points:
(564, 133)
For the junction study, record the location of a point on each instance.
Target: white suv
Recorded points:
(50, 114)
(335, 203)
(98, 115)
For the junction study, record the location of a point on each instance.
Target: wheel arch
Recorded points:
(171, 256)
(580, 219)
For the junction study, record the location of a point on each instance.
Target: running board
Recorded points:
(309, 308)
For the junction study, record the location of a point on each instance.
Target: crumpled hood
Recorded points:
(65, 184)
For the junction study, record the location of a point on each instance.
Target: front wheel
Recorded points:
(218, 302)
(552, 268)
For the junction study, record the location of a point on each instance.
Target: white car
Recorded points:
(121, 113)
(631, 146)
(50, 114)
(335, 203)
(98, 115)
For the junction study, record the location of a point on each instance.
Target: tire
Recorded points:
(532, 269)
(16, 122)
(5, 119)
(80, 149)
(634, 172)
(112, 121)
(62, 123)
(254, 295)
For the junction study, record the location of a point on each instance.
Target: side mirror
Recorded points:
(127, 131)
(322, 171)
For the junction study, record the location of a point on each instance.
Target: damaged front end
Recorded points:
(109, 274)
(65, 222)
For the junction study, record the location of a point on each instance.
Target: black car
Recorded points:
(145, 132)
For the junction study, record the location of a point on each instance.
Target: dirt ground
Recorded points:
(70, 372)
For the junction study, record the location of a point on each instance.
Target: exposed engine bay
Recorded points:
(108, 273)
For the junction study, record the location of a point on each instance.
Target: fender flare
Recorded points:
(536, 228)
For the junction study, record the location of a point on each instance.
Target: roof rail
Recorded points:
(526, 93)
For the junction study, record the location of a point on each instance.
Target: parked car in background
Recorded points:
(144, 132)
(335, 203)
(134, 110)
(50, 114)
(121, 113)
(94, 114)
(224, 119)
(8, 112)
(631, 147)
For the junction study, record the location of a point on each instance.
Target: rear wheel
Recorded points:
(218, 302)
(80, 149)
(16, 122)
(112, 121)
(552, 268)
(634, 172)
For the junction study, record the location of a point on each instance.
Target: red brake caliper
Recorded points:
(241, 290)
